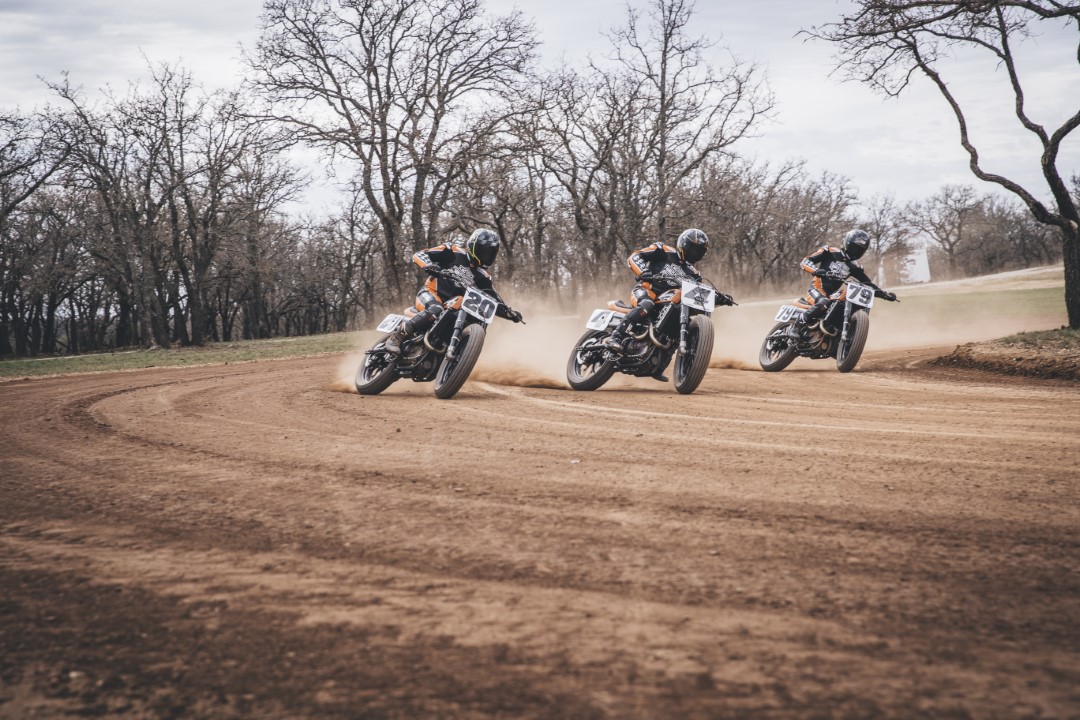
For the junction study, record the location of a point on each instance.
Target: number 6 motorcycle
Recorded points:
(680, 323)
(840, 334)
(446, 353)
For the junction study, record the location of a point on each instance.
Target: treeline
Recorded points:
(168, 215)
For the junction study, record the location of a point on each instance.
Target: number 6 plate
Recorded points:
(479, 305)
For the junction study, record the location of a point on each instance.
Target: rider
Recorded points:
(648, 264)
(831, 266)
(441, 262)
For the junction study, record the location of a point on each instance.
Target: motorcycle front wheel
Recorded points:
(848, 354)
(773, 358)
(690, 368)
(588, 376)
(453, 373)
(377, 371)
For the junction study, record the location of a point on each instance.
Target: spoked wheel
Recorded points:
(848, 354)
(690, 368)
(776, 355)
(453, 373)
(377, 372)
(587, 369)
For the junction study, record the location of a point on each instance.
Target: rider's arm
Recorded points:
(859, 274)
(639, 261)
(433, 257)
(812, 262)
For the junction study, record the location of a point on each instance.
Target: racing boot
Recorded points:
(616, 342)
(392, 343)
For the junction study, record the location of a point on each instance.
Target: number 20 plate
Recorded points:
(479, 305)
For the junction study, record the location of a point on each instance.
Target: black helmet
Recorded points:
(482, 246)
(856, 243)
(692, 245)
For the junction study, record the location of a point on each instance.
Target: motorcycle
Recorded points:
(680, 323)
(840, 333)
(446, 353)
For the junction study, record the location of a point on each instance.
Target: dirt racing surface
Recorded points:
(245, 541)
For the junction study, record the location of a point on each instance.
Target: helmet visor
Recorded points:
(485, 253)
(855, 250)
(693, 251)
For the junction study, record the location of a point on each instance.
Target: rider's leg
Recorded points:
(643, 304)
(430, 306)
(820, 304)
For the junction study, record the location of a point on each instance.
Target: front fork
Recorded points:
(684, 320)
(847, 316)
(451, 349)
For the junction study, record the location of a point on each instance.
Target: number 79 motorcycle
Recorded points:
(680, 323)
(446, 353)
(840, 334)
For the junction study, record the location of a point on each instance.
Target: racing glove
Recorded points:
(885, 295)
(514, 315)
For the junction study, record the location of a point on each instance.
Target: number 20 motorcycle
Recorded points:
(679, 323)
(840, 334)
(446, 353)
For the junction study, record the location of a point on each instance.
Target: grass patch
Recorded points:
(1060, 339)
(1039, 302)
(132, 359)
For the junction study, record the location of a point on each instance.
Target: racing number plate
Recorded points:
(787, 312)
(698, 296)
(479, 305)
(860, 294)
(390, 323)
(599, 320)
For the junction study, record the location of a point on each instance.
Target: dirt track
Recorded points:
(242, 541)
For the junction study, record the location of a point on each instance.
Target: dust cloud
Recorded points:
(534, 355)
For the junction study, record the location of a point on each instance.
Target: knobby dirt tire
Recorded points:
(452, 376)
(848, 358)
(690, 368)
(776, 361)
(574, 375)
(373, 382)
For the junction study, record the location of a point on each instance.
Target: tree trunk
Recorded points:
(1071, 256)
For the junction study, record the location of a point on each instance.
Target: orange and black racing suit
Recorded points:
(450, 267)
(830, 267)
(648, 265)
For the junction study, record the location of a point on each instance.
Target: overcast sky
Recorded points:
(907, 146)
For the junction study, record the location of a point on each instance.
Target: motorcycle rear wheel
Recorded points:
(453, 373)
(690, 368)
(847, 355)
(377, 371)
(588, 377)
(773, 360)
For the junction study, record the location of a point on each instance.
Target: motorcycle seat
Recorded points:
(410, 312)
(801, 303)
(619, 306)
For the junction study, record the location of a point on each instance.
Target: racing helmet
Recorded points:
(692, 245)
(856, 243)
(482, 247)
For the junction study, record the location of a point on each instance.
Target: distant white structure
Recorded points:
(918, 268)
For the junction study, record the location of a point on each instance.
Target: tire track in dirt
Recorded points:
(704, 555)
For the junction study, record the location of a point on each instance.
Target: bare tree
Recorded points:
(410, 90)
(884, 219)
(948, 219)
(886, 42)
(690, 113)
